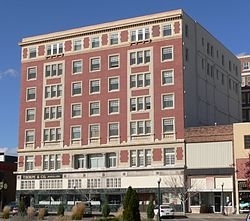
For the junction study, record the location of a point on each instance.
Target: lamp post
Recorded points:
(74, 195)
(222, 198)
(159, 197)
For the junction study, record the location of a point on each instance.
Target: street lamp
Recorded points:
(74, 195)
(222, 196)
(159, 197)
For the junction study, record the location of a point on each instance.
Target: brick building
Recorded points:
(105, 107)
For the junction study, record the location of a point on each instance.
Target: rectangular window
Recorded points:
(133, 158)
(247, 141)
(30, 114)
(29, 136)
(140, 158)
(31, 94)
(168, 125)
(114, 39)
(168, 101)
(53, 112)
(140, 35)
(111, 160)
(94, 131)
(77, 88)
(94, 108)
(54, 70)
(246, 65)
(76, 133)
(52, 135)
(54, 49)
(140, 57)
(76, 110)
(169, 156)
(113, 130)
(95, 42)
(113, 84)
(167, 30)
(79, 161)
(77, 45)
(140, 80)
(114, 61)
(32, 52)
(140, 103)
(95, 64)
(167, 77)
(140, 127)
(77, 67)
(113, 106)
(167, 53)
(29, 163)
(53, 91)
(148, 157)
(94, 86)
(31, 73)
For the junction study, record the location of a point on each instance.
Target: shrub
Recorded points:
(41, 213)
(21, 208)
(78, 211)
(60, 210)
(6, 212)
(131, 206)
(31, 211)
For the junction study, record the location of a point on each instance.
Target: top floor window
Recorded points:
(77, 45)
(54, 49)
(95, 42)
(32, 52)
(140, 35)
(167, 30)
(114, 39)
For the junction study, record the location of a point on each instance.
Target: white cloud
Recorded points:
(8, 73)
(8, 151)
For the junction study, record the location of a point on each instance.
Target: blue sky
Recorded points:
(227, 20)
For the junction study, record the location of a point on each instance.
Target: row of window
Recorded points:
(136, 81)
(138, 158)
(136, 58)
(136, 35)
(141, 103)
(72, 184)
(141, 127)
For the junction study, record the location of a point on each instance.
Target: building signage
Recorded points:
(41, 176)
(242, 185)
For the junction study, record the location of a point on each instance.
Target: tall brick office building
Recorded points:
(104, 107)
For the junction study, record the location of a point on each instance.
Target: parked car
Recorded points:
(165, 211)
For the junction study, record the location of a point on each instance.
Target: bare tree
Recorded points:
(179, 188)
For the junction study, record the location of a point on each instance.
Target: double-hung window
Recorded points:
(94, 131)
(168, 125)
(32, 52)
(167, 53)
(113, 84)
(167, 101)
(77, 88)
(167, 77)
(54, 49)
(29, 163)
(94, 86)
(113, 106)
(31, 73)
(114, 38)
(95, 64)
(114, 61)
(94, 108)
(30, 136)
(30, 114)
(167, 30)
(141, 34)
(76, 110)
(77, 67)
(113, 129)
(76, 133)
(95, 42)
(169, 157)
(31, 94)
(77, 45)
